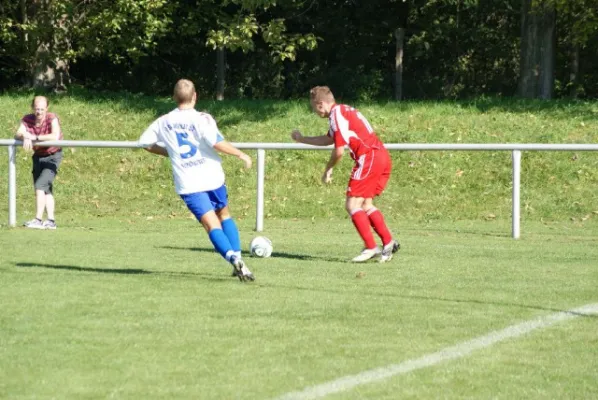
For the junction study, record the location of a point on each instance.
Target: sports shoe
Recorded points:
(367, 254)
(34, 224)
(234, 273)
(49, 224)
(389, 250)
(241, 270)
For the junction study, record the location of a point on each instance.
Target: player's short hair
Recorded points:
(321, 93)
(40, 98)
(183, 91)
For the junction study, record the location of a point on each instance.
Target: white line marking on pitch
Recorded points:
(450, 353)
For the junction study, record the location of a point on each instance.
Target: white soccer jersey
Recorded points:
(189, 137)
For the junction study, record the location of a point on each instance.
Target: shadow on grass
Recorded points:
(436, 298)
(84, 269)
(123, 271)
(555, 108)
(559, 109)
(276, 254)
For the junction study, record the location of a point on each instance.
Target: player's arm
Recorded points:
(323, 140)
(149, 140)
(157, 149)
(214, 137)
(335, 156)
(226, 147)
(54, 135)
(25, 136)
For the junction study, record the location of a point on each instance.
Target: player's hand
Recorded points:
(27, 144)
(327, 177)
(296, 136)
(246, 159)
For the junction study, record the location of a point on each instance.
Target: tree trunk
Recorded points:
(547, 52)
(43, 74)
(538, 43)
(25, 20)
(48, 69)
(220, 74)
(574, 71)
(400, 39)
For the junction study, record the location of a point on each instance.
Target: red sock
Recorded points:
(377, 221)
(362, 224)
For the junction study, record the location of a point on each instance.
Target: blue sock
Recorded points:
(232, 233)
(221, 243)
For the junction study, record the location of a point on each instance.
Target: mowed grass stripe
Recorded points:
(450, 353)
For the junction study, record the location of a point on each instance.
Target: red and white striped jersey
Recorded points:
(349, 127)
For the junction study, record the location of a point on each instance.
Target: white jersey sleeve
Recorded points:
(150, 136)
(209, 130)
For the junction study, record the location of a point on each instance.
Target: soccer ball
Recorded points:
(260, 246)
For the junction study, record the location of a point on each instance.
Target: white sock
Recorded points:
(229, 254)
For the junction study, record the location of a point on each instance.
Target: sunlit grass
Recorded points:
(145, 309)
(425, 185)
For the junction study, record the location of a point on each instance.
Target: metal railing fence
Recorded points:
(514, 148)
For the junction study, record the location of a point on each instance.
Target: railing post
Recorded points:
(261, 168)
(12, 186)
(516, 192)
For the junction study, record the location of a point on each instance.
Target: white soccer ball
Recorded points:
(261, 246)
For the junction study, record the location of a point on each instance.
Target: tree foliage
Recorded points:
(453, 48)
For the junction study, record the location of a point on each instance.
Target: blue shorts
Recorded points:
(202, 202)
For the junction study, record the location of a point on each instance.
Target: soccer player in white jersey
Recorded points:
(348, 127)
(191, 140)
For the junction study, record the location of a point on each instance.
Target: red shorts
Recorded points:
(370, 174)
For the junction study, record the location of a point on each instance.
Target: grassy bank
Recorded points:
(426, 185)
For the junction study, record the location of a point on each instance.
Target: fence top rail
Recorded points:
(298, 146)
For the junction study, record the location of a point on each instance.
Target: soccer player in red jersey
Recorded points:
(348, 127)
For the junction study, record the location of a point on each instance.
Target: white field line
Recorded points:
(449, 353)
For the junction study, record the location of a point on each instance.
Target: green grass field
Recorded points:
(112, 308)
(127, 300)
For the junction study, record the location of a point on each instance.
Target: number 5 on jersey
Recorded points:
(182, 139)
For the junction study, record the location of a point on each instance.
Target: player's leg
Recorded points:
(360, 220)
(389, 244)
(377, 221)
(40, 203)
(219, 200)
(211, 224)
(40, 196)
(50, 222)
(50, 170)
(230, 228)
(201, 206)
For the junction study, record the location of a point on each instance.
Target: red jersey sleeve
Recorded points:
(337, 126)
